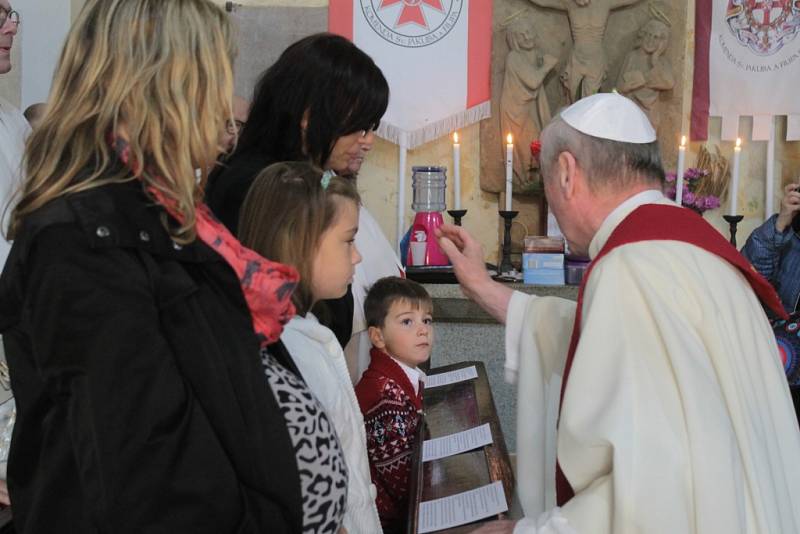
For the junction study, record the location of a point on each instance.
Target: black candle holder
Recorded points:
(508, 217)
(457, 215)
(733, 220)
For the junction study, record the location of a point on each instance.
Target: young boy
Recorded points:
(398, 314)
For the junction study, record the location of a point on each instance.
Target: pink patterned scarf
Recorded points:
(267, 285)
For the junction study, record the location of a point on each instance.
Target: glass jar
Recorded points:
(429, 185)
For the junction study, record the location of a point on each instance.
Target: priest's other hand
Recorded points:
(466, 255)
(496, 527)
(790, 205)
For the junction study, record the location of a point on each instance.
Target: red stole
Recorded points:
(657, 222)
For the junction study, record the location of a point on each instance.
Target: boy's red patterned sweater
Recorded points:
(391, 415)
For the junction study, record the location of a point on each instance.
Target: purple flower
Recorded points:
(691, 181)
(693, 174)
(712, 202)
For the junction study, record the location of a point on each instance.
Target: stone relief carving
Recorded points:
(557, 27)
(645, 72)
(524, 109)
(586, 66)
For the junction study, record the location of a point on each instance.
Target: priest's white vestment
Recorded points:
(676, 417)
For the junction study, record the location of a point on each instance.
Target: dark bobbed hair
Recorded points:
(285, 214)
(606, 163)
(389, 290)
(329, 78)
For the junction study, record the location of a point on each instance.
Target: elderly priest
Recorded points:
(672, 410)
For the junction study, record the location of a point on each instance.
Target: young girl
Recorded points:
(294, 215)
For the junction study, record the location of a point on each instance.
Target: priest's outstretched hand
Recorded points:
(466, 255)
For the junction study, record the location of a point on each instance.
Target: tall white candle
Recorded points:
(509, 170)
(679, 173)
(734, 192)
(456, 172)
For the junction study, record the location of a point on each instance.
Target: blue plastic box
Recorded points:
(544, 277)
(532, 261)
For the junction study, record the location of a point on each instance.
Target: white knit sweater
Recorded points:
(320, 359)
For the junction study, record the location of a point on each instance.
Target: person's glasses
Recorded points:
(8, 14)
(233, 127)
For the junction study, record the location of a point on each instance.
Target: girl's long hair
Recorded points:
(285, 214)
(157, 73)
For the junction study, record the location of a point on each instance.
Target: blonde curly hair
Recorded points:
(156, 73)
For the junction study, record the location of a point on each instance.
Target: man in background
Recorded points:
(241, 109)
(13, 131)
(13, 126)
(774, 249)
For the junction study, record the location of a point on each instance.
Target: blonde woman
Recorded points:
(142, 338)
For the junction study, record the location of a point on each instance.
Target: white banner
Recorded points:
(435, 55)
(754, 60)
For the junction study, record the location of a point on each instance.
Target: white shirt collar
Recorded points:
(415, 376)
(612, 220)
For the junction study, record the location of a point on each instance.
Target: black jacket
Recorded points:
(225, 193)
(142, 404)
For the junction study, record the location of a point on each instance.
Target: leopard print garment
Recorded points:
(320, 462)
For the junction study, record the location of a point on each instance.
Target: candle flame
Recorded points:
(455, 137)
(683, 141)
(738, 143)
(509, 139)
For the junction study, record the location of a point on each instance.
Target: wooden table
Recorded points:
(450, 409)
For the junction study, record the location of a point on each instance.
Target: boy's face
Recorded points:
(406, 334)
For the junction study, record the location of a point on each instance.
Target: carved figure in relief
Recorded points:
(646, 72)
(524, 109)
(585, 70)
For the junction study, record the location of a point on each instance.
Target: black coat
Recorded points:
(142, 404)
(227, 188)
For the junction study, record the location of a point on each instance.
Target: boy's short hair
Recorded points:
(389, 290)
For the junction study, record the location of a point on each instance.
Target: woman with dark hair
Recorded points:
(319, 102)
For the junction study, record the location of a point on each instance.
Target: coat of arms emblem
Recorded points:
(412, 23)
(764, 26)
